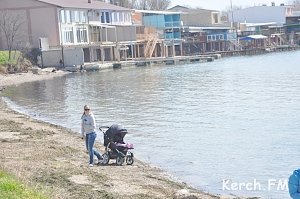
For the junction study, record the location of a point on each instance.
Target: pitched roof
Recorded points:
(159, 12)
(179, 8)
(252, 37)
(84, 4)
(186, 9)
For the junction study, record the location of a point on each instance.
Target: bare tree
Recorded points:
(10, 26)
(143, 4)
(134, 4)
(125, 3)
(158, 4)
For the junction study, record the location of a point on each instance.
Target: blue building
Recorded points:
(168, 24)
(167, 40)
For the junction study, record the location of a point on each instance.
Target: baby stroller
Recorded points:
(115, 147)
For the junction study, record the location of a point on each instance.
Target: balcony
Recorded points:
(172, 24)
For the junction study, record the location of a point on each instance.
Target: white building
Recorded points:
(262, 14)
(74, 31)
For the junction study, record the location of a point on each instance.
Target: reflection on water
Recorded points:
(234, 119)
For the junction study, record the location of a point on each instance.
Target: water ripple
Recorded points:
(235, 118)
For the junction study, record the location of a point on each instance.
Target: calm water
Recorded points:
(235, 119)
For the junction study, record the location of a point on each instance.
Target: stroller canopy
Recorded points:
(115, 133)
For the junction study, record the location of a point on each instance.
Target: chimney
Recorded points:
(89, 1)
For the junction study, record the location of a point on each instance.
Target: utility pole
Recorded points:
(231, 12)
(232, 18)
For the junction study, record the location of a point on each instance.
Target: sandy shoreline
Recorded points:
(19, 78)
(53, 158)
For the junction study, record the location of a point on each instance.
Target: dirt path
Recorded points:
(53, 159)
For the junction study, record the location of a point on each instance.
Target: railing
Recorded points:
(172, 24)
(258, 32)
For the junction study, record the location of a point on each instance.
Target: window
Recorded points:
(76, 16)
(95, 34)
(118, 17)
(81, 35)
(115, 17)
(83, 17)
(125, 17)
(121, 17)
(128, 17)
(211, 37)
(102, 17)
(62, 16)
(105, 17)
(68, 16)
(67, 33)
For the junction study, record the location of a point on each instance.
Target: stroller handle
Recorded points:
(103, 127)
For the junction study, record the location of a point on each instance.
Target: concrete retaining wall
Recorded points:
(72, 57)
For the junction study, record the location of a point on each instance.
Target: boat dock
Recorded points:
(208, 57)
(151, 61)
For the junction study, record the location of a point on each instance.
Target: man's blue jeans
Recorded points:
(89, 143)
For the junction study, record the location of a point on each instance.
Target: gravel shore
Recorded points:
(53, 159)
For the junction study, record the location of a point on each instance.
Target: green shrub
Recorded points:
(13, 60)
(16, 64)
(3, 57)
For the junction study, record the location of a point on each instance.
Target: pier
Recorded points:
(178, 60)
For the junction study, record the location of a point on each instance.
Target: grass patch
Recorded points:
(54, 179)
(4, 57)
(17, 63)
(10, 188)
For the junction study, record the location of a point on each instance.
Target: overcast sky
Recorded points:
(223, 4)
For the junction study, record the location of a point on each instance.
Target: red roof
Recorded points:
(83, 4)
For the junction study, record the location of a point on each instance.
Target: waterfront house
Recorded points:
(263, 20)
(74, 31)
(198, 17)
(261, 34)
(262, 14)
(292, 27)
(165, 27)
(203, 31)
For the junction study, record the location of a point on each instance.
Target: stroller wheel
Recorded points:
(129, 160)
(105, 159)
(120, 160)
